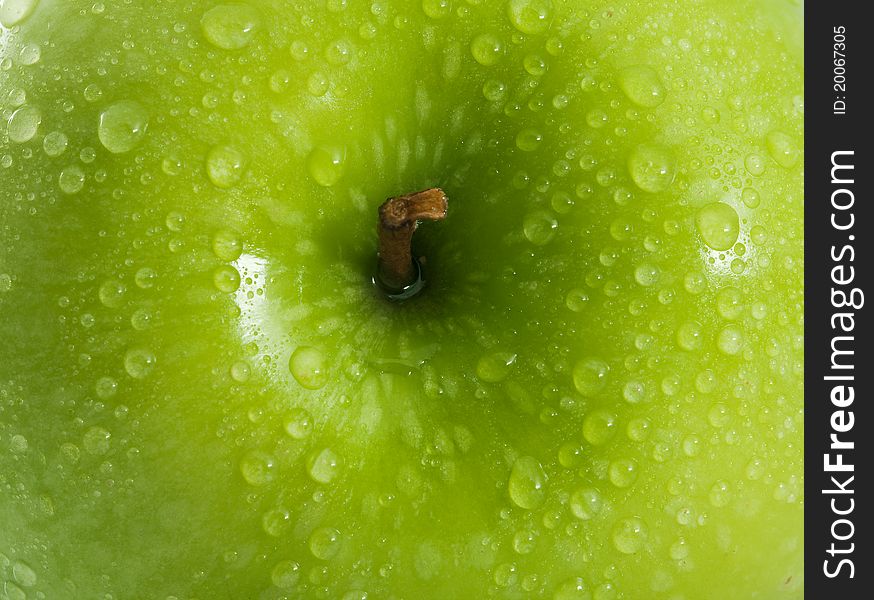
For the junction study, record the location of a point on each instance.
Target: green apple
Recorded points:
(597, 394)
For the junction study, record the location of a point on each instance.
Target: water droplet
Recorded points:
(539, 227)
(54, 143)
(528, 140)
(145, 278)
(326, 164)
(339, 52)
(642, 86)
(718, 224)
(720, 494)
(258, 468)
(92, 92)
(622, 472)
(111, 293)
(226, 279)
(562, 203)
(23, 574)
(122, 126)
(139, 362)
(241, 371)
(5, 282)
(230, 26)
(629, 535)
(494, 91)
(226, 245)
(750, 197)
(299, 423)
(783, 149)
(495, 367)
(307, 365)
(577, 300)
(647, 274)
(530, 16)
(524, 541)
(487, 49)
(323, 465)
(754, 164)
(18, 444)
(651, 168)
(225, 166)
(599, 427)
(141, 319)
(527, 484)
(689, 335)
(23, 123)
(276, 522)
(535, 65)
(586, 503)
(325, 543)
(106, 387)
(730, 340)
(575, 589)
(13, 592)
(729, 303)
(285, 574)
(96, 441)
(634, 392)
(436, 9)
(590, 376)
(13, 12)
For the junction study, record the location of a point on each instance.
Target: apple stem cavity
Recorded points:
(399, 274)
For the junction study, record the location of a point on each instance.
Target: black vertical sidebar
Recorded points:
(838, 266)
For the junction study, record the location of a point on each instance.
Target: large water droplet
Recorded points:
(642, 86)
(586, 503)
(539, 227)
(285, 574)
(495, 367)
(590, 376)
(326, 163)
(111, 293)
(323, 465)
(23, 574)
(528, 140)
(71, 179)
(307, 365)
(530, 16)
(325, 543)
(487, 49)
(96, 441)
(298, 423)
(13, 12)
(622, 472)
(230, 26)
(226, 279)
(730, 340)
(258, 468)
(527, 485)
(783, 149)
(227, 245)
(23, 123)
(54, 143)
(629, 535)
(225, 166)
(436, 9)
(599, 427)
(122, 126)
(651, 168)
(574, 589)
(276, 522)
(718, 224)
(139, 362)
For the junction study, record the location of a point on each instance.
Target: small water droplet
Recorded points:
(276, 522)
(574, 589)
(730, 340)
(487, 49)
(527, 484)
(651, 168)
(495, 367)
(530, 16)
(307, 365)
(54, 143)
(24, 123)
(629, 535)
(647, 274)
(590, 376)
(258, 468)
(145, 278)
(436, 9)
(298, 423)
(326, 164)
(599, 427)
(96, 441)
(112, 293)
(241, 371)
(139, 362)
(92, 92)
(325, 543)
(641, 84)
(323, 465)
(226, 279)
(586, 503)
(285, 574)
(719, 225)
(528, 140)
(122, 126)
(539, 227)
(339, 52)
(230, 26)
(783, 149)
(225, 166)
(622, 472)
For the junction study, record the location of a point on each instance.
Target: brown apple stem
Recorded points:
(398, 219)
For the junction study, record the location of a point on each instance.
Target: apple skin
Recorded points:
(598, 396)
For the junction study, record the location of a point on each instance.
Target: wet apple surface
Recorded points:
(597, 395)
